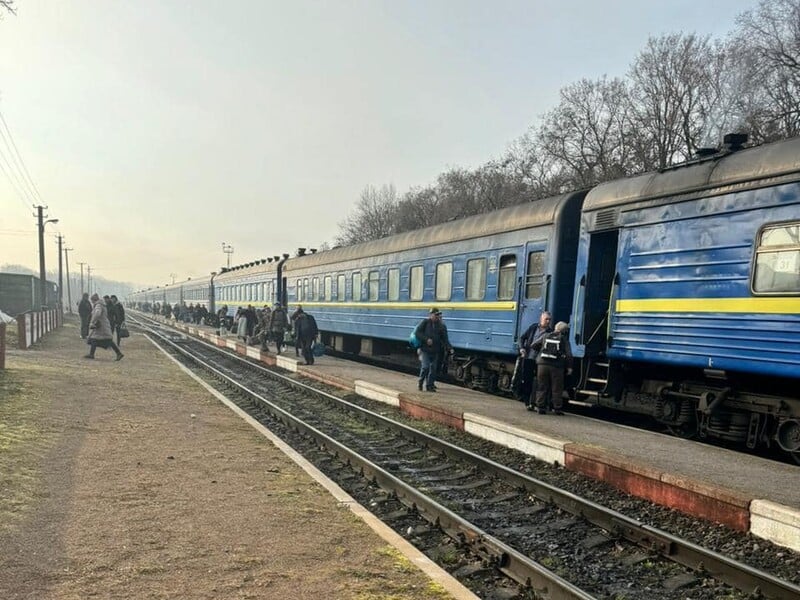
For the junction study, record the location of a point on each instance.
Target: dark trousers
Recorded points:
(527, 386)
(278, 336)
(109, 343)
(85, 326)
(550, 383)
(306, 347)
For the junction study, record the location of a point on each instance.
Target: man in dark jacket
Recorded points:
(529, 345)
(278, 323)
(305, 331)
(85, 312)
(116, 314)
(434, 343)
(553, 357)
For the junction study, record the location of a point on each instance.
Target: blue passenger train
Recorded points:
(682, 288)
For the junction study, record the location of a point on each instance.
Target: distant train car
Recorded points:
(199, 292)
(491, 275)
(255, 283)
(687, 296)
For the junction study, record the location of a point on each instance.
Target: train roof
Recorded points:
(249, 270)
(779, 161)
(521, 216)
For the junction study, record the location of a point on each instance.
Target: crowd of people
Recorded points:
(101, 319)
(545, 355)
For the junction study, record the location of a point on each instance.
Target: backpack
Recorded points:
(552, 347)
(413, 340)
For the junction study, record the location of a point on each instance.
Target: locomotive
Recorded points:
(682, 287)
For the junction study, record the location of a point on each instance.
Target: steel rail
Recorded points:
(735, 573)
(509, 561)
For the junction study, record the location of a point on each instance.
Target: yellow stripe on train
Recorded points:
(712, 305)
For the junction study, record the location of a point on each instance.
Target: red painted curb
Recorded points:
(418, 410)
(699, 500)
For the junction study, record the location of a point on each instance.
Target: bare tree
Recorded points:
(768, 43)
(586, 133)
(9, 6)
(374, 216)
(673, 97)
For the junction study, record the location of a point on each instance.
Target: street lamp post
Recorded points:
(227, 249)
(42, 279)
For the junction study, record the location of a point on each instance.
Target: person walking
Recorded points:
(116, 315)
(85, 313)
(305, 331)
(100, 329)
(529, 345)
(278, 323)
(553, 358)
(434, 343)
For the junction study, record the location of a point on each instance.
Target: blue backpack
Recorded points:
(413, 340)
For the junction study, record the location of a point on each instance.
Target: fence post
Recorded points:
(22, 338)
(2, 346)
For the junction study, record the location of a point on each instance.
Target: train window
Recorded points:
(298, 291)
(393, 285)
(306, 289)
(357, 286)
(315, 288)
(416, 283)
(444, 281)
(476, 279)
(534, 275)
(328, 288)
(507, 277)
(340, 288)
(777, 266)
(373, 283)
(265, 292)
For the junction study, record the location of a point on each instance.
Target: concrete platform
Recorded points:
(741, 491)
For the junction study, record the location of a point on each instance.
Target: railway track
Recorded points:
(504, 533)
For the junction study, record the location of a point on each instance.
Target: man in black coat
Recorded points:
(305, 331)
(434, 343)
(85, 312)
(116, 314)
(529, 345)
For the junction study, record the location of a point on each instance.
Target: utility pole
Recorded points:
(60, 273)
(82, 289)
(89, 278)
(42, 277)
(69, 292)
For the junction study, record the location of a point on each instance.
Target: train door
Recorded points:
(533, 289)
(599, 283)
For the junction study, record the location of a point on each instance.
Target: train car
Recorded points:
(200, 292)
(491, 275)
(173, 293)
(149, 296)
(255, 283)
(687, 296)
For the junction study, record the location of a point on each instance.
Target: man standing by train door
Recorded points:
(432, 335)
(529, 345)
(553, 358)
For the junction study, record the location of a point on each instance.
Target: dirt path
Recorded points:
(128, 480)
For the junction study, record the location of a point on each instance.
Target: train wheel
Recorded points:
(686, 431)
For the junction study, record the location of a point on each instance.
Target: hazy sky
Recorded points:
(155, 130)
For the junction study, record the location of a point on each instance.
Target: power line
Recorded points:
(19, 156)
(14, 186)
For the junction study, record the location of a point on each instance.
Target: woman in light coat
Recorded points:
(100, 329)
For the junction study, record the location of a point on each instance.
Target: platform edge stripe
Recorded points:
(376, 392)
(726, 495)
(386, 533)
(253, 352)
(541, 447)
(284, 362)
(775, 522)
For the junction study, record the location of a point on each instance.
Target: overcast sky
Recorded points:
(156, 130)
